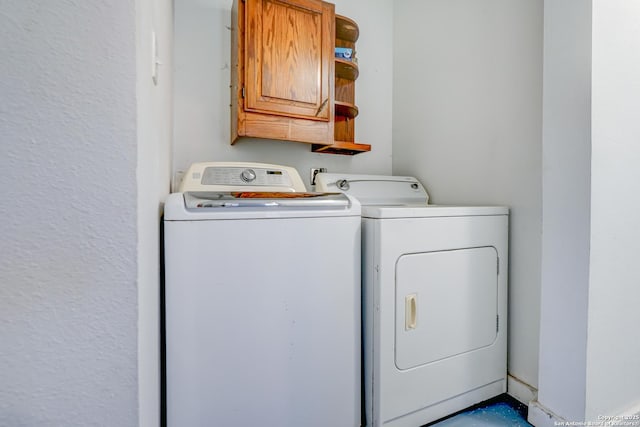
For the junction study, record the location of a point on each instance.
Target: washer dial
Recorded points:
(248, 175)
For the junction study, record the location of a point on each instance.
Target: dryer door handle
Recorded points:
(410, 312)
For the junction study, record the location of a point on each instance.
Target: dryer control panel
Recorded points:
(375, 190)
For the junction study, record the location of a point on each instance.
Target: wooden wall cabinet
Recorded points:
(282, 75)
(284, 78)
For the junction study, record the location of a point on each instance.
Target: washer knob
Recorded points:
(342, 184)
(248, 175)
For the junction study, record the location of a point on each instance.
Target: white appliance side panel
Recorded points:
(263, 322)
(446, 304)
(422, 394)
(370, 318)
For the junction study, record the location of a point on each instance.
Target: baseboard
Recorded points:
(520, 390)
(540, 416)
(635, 410)
(629, 417)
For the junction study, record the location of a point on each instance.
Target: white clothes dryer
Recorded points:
(434, 300)
(262, 301)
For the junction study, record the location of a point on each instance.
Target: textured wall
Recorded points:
(68, 297)
(153, 174)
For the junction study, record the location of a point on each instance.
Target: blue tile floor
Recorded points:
(502, 411)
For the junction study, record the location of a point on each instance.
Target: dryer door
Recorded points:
(446, 304)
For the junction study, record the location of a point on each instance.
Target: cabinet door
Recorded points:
(288, 57)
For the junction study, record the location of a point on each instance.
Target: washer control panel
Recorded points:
(241, 176)
(230, 176)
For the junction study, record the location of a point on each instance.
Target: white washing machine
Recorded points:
(434, 300)
(262, 291)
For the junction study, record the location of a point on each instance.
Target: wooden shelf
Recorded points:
(346, 29)
(345, 109)
(346, 69)
(341, 147)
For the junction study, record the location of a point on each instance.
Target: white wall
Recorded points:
(589, 356)
(613, 350)
(467, 109)
(566, 206)
(68, 270)
(154, 123)
(202, 114)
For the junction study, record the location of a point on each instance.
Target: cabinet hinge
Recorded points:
(243, 91)
(497, 323)
(498, 266)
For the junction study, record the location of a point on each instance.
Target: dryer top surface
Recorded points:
(384, 196)
(430, 211)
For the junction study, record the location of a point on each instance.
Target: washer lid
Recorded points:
(375, 189)
(207, 205)
(266, 200)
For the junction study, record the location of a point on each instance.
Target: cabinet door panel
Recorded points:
(288, 57)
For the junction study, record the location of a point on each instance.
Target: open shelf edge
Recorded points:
(341, 147)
